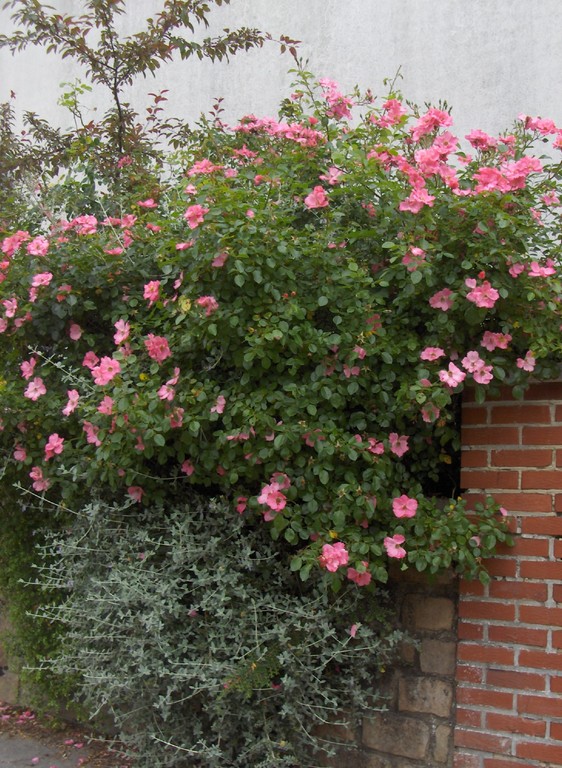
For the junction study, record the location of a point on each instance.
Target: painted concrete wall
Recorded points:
(489, 59)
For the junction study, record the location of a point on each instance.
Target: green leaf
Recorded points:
(416, 277)
(296, 564)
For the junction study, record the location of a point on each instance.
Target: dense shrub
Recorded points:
(286, 325)
(295, 346)
(201, 644)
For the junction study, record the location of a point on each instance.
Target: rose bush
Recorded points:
(290, 325)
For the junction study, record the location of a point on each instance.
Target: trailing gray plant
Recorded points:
(187, 628)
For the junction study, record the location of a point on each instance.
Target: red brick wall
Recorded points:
(509, 656)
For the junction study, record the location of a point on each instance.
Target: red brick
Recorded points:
(541, 569)
(542, 660)
(472, 588)
(518, 635)
(514, 724)
(524, 547)
(557, 639)
(475, 414)
(556, 684)
(505, 567)
(500, 762)
(558, 458)
(530, 614)
(556, 731)
(486, 698)
(543, 526)
(469, 674)
(535, 750)
(467, 631)
(469, 717)
(522, 681)
(474, 458)
(481, 609)
(522, 413)
(464, 760)
(496, 435)
(558, 413)
(558, 503)
(557, 589)
(558, 549)
(525, 457)
(504, 550)
(525, 502)
(487, 742)
(545, 479)
(489, 480)
(544, 390)
(541, 436)
(519, 590)
(538, 705)
(485, 654)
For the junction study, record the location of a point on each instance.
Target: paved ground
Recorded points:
(29, 740)
(19, 751)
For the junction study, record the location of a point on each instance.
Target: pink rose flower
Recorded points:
(398, 444)
(152, 292)
(73, 398)
(43, 278)
(483, 296)
(317, 198)
(35, 389)
(209, 303)
(442, 300)
(75, 332)
(107, 370)
(195, 215)
(393, 547)
(272, 497)
(527, 363)
(54, 446)
(333, 556)
(404, 506)
(39, 246)
(220, 404)
(27, 367)
(431, 353)
(361, 578)
(157, 347)
(135, 492)
(122, 331)
(39, 482)
(452, 377)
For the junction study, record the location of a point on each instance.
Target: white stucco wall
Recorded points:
(489, 59)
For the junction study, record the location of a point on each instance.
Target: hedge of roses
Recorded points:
(289, 324)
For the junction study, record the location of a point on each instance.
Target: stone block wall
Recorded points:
(416, 730)
(509, 674)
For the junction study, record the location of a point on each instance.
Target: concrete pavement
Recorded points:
(21, 751)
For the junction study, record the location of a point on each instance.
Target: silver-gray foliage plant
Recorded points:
(188, 629)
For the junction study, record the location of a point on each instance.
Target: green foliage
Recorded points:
(27, 642)
(112, 61)
(200, 642)
(285, 321)
(283, 349)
